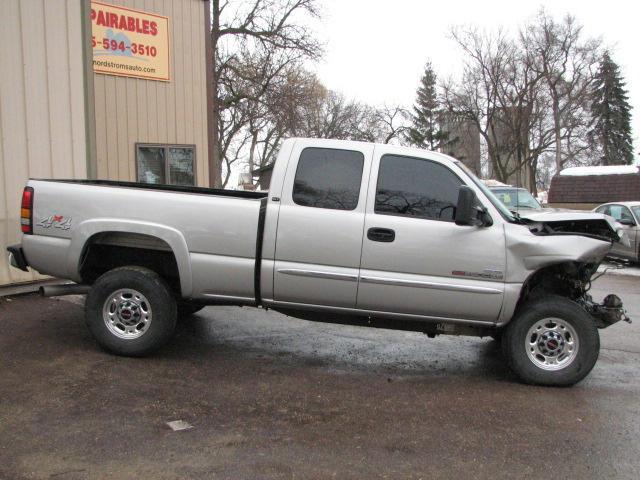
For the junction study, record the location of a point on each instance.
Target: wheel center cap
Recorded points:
(552, 343)
(129, 313)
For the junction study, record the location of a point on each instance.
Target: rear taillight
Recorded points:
(26, 211)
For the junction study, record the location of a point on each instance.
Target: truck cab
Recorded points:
(372, 227)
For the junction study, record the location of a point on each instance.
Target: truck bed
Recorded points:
(213, 233)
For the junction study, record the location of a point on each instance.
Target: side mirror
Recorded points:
(466, 211)
(624, 221)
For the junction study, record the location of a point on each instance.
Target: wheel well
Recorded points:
(108, 250)
(568, 279)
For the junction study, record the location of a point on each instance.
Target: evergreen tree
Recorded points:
(611, 115)
(425, 130)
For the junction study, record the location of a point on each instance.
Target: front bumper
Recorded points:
(17, 258)
(610, 311)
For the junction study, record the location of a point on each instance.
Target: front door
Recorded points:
(319, 234)
(415, 259)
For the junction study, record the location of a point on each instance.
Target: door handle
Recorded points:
(381, 234)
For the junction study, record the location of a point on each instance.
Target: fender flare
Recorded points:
(87, 229)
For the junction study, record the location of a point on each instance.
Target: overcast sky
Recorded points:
(376, 49)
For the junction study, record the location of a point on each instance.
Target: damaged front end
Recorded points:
(565, 252)
(610, 311)
(591, 225)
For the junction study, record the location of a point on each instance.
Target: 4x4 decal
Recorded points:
(55, 221)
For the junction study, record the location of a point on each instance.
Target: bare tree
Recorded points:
(495, 94)
(393, 123)
(239, 29)
(558, 52)
(528, 96)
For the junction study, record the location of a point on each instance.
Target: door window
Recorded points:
(415, 187)
(328, 178)
(620, 212)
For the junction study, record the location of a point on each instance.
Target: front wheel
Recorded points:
(131, 311)
(551, 341)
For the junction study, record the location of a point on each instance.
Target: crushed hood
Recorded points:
(587, 224)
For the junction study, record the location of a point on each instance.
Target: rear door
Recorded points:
(320, 223)
(415, 259)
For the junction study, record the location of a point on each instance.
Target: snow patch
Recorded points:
(613, 270)
(599, 170)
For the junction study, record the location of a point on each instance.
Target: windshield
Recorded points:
(504, 211)
(515, 198)
(636, 211)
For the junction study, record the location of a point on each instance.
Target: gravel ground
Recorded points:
(273, 397)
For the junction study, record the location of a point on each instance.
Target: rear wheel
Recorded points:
(130, 311)
(551, 341)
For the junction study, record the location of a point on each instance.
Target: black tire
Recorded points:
(186, 309)
(161, 306)
(516, 335)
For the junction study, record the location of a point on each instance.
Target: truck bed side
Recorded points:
(212, 235)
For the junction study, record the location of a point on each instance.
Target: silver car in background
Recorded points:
(628, 215)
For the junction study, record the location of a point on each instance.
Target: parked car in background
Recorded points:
(628, 215)
(516, 199)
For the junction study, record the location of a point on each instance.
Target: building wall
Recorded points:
(463, 141)
(132, 110)
(42, 107)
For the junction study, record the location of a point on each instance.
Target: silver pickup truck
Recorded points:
(349, 232)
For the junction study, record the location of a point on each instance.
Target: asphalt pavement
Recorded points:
(269, 396)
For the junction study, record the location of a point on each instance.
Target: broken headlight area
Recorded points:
(599, 229)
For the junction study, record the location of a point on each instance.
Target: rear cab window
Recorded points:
(328, 178)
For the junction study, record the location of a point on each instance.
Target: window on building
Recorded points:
(415, 187)
(166, 164)
(328, 178)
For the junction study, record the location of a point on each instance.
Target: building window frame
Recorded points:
(166, 147)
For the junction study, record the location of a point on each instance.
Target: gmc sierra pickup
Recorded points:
(349, 232)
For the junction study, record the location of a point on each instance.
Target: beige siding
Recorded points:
(42, 119)
(131, 110)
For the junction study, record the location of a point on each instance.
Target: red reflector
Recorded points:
(26, 211)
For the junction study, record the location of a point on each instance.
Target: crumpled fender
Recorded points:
(527, 252)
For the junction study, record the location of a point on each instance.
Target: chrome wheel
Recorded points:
(552, 344)
(127, 313)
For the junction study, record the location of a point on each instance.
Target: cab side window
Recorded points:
(328, 178)
(416, 187)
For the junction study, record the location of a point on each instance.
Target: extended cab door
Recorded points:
(415, 259)
(320, 223)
